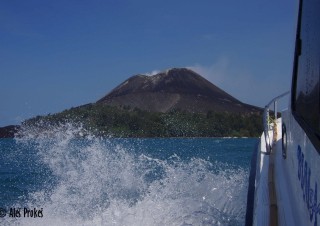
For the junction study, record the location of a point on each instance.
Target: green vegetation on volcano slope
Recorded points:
(106, 120)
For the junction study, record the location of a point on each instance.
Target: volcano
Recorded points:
(175, 89)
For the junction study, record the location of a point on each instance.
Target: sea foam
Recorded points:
(100, 181)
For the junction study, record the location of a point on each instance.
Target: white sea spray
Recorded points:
(103, 182)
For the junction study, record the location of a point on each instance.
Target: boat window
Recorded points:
(305, 97)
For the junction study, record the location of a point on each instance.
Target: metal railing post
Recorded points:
(275, 110)
(266, 120)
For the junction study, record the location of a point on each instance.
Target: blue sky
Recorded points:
(55, 55)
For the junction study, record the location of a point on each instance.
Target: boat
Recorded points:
(285, 168)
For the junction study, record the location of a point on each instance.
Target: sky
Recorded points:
(59, 54)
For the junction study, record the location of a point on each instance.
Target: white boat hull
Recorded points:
(295, 178)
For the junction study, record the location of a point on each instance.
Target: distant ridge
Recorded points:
(175, 89)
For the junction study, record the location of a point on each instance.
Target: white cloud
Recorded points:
(215, 73)
(240, 81)
(154, 72)
(209, 37)
(235, 79)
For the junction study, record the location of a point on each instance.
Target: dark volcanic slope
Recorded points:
(8, 131)
(177, 88)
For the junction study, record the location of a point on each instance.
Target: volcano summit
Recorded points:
(175, 89)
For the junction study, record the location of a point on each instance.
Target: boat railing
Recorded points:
(268, 124)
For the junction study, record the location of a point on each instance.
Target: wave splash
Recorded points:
(104, 182)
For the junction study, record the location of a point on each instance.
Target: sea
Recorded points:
(65, 176)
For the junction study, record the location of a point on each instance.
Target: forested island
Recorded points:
(174, 103)
(104, 120)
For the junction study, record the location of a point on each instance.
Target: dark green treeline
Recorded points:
(104, 120)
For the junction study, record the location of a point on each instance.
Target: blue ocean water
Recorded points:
(70, 179)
